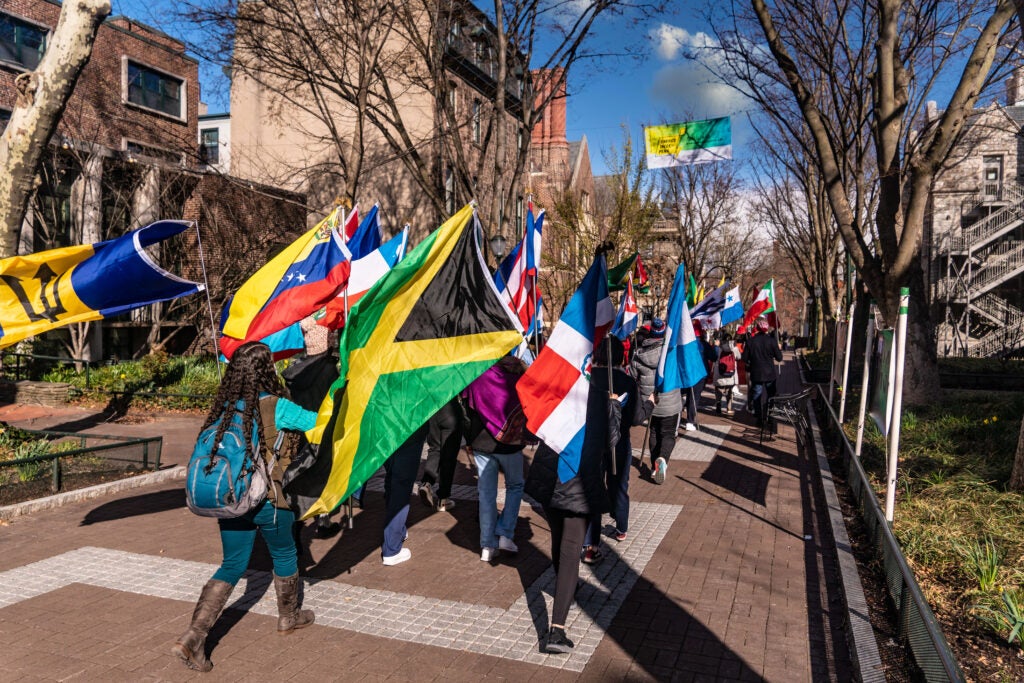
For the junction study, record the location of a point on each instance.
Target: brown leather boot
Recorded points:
(290, 617)
(191, 647)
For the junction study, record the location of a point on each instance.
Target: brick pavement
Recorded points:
(727, 575)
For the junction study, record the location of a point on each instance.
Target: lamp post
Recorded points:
(498, 243)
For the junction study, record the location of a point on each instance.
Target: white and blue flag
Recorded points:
(681, 365)
(733, 310)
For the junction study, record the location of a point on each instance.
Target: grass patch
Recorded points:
(960, 527)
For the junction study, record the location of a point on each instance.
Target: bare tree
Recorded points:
(836, 59)
(362, 71)
(42, 96)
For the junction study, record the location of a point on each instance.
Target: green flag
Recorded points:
(618, 275)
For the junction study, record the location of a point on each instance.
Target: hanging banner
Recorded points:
(693, 142)
(839, 357)
(881, 396)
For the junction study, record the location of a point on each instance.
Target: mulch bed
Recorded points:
(14, 491)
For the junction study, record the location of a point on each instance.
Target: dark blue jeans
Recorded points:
(400, 477)
(238, 534)
(759, 396)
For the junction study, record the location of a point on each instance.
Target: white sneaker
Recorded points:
(507, 545)
(487, 554)
(660, 468)
(403, 555)
(690, 427)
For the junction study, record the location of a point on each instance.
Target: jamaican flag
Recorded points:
(427, 329)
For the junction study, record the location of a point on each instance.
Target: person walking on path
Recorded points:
(444, 439)
(568, 506)
(634, 411)
(760, 355)
(665, 417)
(252, 380)
(399, 480)
(496, 436)
(724, 375)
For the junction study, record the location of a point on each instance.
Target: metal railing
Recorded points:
(916, 622)
(992, 226)
(23, 364)
(142, 452)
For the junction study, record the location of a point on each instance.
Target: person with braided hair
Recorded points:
(252, 379)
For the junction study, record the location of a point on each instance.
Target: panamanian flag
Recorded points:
(681, 364)
(733, 310)
(554, 390)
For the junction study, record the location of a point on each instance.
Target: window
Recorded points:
(520, 219)
(453, 33)
(453, 98)
(209, 146)
(992, 176)
(5, 118)
(449, 191)
(476, 121)
(154, 90)
(21, 42)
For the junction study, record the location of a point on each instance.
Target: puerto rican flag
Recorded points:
(554, 390)
(629, 315)
(516, 277)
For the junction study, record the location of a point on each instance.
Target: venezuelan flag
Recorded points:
(49, 289)
(295, 283)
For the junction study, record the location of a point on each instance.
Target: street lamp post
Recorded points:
(498, 244)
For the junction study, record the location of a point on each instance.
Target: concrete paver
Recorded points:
(726, 575)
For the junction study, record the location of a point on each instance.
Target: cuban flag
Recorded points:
(733, 309)
(709, 309)
(629, 315)
(681, 364)
(554, 390)
(516, 277)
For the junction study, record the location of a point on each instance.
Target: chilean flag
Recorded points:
(628, 317)
(301, 279)
(554, 390)
(517, 275)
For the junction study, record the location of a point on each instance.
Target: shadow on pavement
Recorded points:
(133, 506)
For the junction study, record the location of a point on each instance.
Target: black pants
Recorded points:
(759, 396)
(567, 533)
(443, 442)
(663, 436)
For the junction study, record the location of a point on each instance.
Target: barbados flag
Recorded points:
(49, 289)
(295, 283)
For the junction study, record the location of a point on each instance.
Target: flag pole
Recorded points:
(209, 302)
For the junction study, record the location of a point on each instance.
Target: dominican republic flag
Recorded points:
(554, 390)
(763, 304)
(708, 310)
(681, 364)
(516, 277)
(629, 315)
(733, 310)
(366, 272)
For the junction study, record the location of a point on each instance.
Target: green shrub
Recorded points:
(982, 561)
(1005, 615)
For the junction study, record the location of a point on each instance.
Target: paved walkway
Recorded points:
(726, 575)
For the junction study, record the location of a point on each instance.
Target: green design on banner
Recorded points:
(884, 374)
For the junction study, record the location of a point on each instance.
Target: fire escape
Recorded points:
(975, 267)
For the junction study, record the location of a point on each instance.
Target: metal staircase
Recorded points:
(978, 260)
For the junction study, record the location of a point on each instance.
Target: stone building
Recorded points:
(285, 136)
(973, 238)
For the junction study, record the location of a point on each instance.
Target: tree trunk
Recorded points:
(1017, 476)
(42, 97)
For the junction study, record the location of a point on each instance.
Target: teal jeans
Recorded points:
(238, 534)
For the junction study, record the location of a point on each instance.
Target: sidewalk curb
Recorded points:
(9, 512)
(860, 635)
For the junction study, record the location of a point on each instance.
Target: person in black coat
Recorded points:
(760, 353)
(571, 505)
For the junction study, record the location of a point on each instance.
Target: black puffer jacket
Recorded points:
(585, 493)
(759, 354)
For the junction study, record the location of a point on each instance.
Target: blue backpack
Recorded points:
(224, 481)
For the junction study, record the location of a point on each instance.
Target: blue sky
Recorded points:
(659, 86)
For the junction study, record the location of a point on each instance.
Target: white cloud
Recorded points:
(672, 41)
(691, 89)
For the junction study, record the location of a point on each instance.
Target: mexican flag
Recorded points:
(763, 305)
(424, 331)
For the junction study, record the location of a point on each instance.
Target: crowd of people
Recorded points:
(486, 420)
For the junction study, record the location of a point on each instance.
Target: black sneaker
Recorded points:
(557, 642)
(325, 528)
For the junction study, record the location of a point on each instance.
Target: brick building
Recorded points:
(125, 154)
